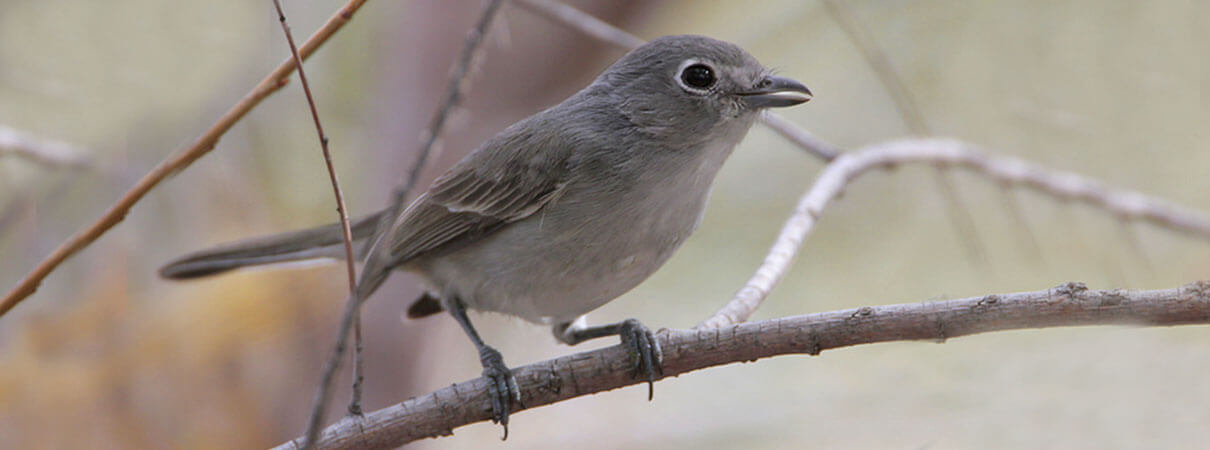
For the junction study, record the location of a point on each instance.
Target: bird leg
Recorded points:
(502, 385)
(648, 358)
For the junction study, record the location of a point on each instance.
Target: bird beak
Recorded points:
(776, 92)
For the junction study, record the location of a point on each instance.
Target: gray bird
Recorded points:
(562, 211)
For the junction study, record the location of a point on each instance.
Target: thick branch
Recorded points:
(204, 143)
(1072, 304)
(1009, 171)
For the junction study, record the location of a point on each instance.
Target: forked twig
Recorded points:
(1009, 171)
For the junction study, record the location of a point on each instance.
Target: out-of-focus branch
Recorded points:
(46, 152)
(1009, 171)
(604, 32)
(1072, 304)
(182, 159)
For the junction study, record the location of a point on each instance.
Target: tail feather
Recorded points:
(313, 243)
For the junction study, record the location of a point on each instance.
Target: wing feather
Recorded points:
(507, 179)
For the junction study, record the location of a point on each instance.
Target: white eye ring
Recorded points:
(700, 90)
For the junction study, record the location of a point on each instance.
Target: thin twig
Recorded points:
(604, 32)
(1071, 304)
(452, 98)
(204, 143)
(847, 167)
(341, 210)
(358, 365)
(323, 394)
(46, 152)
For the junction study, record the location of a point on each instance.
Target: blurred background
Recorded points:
(107, 355)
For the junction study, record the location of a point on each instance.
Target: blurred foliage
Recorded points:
(106, 355)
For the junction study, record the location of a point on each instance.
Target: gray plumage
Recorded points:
(571, 207)
(562, 211)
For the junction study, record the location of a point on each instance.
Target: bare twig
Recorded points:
(452, 98)
(604, 32)
(1072, 304)
(341, 210)
(48, 153)
(847, 167)
(206, 142)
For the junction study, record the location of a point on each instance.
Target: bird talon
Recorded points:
(501, 388)
(648, 357)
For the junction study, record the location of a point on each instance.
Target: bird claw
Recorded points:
(648, 357)
(501, 388)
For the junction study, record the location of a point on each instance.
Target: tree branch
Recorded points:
(1009, 171)
(1072, 304)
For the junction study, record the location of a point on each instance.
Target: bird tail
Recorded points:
(323, 242)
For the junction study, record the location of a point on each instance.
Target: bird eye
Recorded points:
(698, 76)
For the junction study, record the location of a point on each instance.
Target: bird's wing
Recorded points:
(507, 179)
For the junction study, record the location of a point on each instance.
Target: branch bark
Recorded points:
(1071, 304)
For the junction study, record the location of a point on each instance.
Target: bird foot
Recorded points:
(502, 386)
(648, 358)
